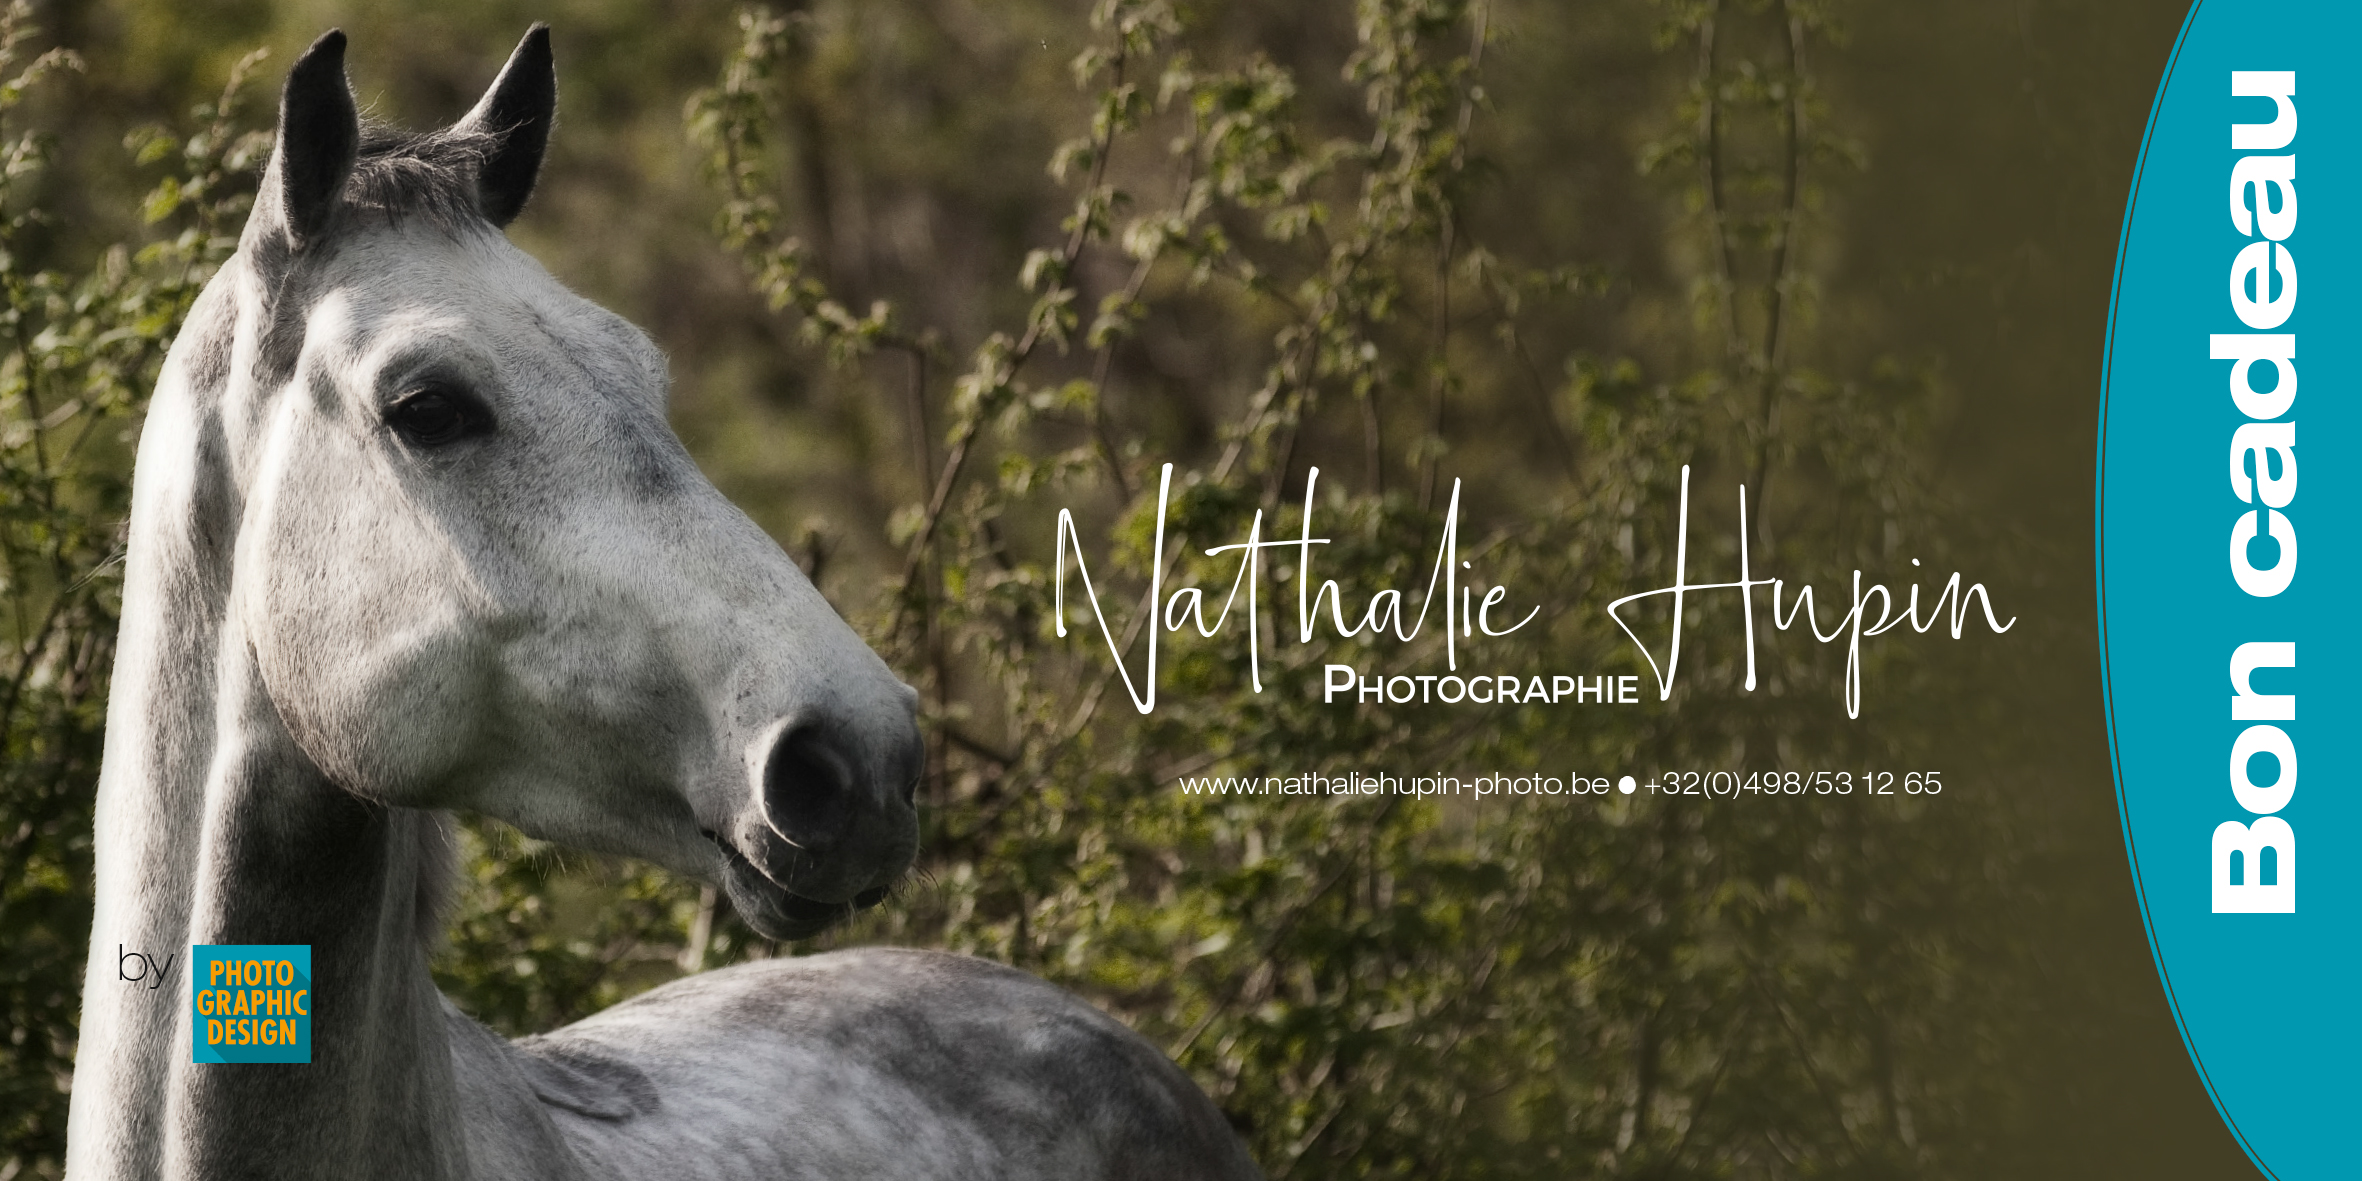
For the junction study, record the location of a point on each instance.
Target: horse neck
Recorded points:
(212, 827)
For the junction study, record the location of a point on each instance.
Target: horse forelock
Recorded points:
(399, 174)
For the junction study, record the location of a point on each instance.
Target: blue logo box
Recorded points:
(250, 1002)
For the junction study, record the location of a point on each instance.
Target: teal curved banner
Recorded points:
(2227, 583)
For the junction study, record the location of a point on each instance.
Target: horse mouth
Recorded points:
(776, 911)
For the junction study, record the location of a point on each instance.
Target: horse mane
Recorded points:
(399, 173)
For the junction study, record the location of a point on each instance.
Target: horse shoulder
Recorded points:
(875, 1063)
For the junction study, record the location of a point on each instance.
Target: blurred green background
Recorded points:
(930, 271)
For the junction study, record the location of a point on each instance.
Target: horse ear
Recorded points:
(319, 132)
(516, 113)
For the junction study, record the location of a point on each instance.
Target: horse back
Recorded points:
(870, 1063)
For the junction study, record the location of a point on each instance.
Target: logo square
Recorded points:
(250, 1002)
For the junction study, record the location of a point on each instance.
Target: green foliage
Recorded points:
(544, 936)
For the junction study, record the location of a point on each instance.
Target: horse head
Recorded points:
(476, 569)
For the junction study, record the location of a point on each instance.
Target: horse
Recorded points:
(410, 533)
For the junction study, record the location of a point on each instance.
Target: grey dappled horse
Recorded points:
(410, 533)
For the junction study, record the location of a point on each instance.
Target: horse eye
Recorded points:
(434, 417)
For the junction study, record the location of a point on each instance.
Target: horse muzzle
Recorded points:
(831, 825)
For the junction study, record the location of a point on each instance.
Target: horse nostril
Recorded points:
(908, 761)
(809, 784)
(911, 764)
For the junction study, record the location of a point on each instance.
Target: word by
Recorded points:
(2245, 879)
(150, 971)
